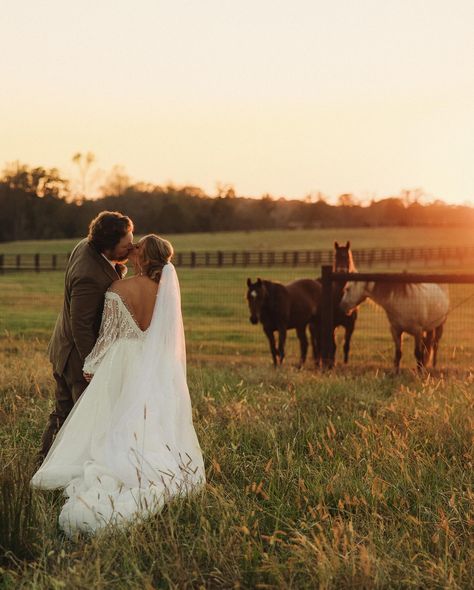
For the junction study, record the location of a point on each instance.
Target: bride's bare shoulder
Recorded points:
(123, 286)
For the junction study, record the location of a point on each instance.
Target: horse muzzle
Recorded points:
(346, 308)
(253, 319)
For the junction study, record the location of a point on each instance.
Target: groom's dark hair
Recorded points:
(107, 229)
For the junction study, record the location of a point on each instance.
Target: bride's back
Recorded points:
(139, 296)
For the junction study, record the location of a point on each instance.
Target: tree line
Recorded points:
(36, 203)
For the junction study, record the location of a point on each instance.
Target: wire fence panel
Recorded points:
(218, 326)
(216, 319)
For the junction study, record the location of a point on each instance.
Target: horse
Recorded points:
(284, 307)
(419, 309)
(343, 262)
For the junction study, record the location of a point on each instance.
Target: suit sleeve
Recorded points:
(87, 300)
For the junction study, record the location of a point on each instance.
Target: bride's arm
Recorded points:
(108, 333)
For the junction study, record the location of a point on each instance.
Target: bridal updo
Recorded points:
(155, 252)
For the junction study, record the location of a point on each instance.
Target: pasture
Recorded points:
(317, 239)
(354, 478)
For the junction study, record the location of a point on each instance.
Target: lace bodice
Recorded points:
(117, 323)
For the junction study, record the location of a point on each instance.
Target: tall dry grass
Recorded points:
(330, 481)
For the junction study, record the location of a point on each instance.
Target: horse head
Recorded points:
(355, 292)
(256, 295)
(343, 261)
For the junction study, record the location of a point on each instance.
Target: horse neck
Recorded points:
(352, 267)
(370, 291)
(270, 293)
(350, 264)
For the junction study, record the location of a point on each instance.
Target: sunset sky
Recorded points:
(285, 97)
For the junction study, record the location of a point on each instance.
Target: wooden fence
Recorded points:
(328, 277)
(364, 258)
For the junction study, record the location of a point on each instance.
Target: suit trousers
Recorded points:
(69, 387)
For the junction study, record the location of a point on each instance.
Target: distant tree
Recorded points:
(347, 200)
(38, 181)
(226, 191)
(84, 164)
(116, 182)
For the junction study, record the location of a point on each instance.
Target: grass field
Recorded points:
(351, 479)
(314, 239)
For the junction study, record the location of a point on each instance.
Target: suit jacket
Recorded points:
(88, 276)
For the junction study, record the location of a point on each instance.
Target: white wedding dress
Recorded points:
(129, 443)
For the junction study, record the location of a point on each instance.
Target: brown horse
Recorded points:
(343, 262)
(284, 307)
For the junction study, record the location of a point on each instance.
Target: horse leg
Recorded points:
(313, 330)
(332, 352)
(427, 346)
(397, 340)
(437, 338)
(347, 339)
(271, 340)
(301, 332)
(281, 343)
(419, 351)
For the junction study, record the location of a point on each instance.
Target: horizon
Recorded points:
(289, 100)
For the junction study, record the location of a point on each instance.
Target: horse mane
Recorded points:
(386, 290)
(352, 266)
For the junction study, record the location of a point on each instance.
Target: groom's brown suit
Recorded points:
(88, 276)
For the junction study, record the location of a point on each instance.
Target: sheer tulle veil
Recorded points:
(157, 428)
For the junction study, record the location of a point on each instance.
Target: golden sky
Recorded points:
(285, 97)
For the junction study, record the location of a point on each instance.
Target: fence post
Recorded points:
(37, 262)
(2, 270)
(18, 261)
(54, 261)
(326, 316)
(193, 259)
(295, 258)
(220, 258)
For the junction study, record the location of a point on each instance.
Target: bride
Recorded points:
(129, 443)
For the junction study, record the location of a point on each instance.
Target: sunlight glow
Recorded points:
(272, 97)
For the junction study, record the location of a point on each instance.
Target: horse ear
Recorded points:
(249, 282)
(259, 281)
(348, 244)
(336, 245)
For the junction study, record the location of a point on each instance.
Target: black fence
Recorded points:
(262, 258)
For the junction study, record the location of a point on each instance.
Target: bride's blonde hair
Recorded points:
(156, 252)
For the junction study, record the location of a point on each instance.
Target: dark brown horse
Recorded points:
(343, 262)
(284, 307)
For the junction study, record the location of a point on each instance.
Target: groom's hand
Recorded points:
(88, 376)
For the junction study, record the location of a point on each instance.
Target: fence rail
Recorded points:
(367, 257)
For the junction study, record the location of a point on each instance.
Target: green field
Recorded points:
(350, 479)
(314, 239)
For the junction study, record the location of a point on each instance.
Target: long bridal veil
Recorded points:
(156, 426)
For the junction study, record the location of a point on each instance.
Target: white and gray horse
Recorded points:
(420, 309)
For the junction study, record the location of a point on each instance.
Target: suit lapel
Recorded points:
(106, 267)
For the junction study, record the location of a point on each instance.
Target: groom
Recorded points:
(94, 264)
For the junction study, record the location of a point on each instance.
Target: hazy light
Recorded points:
(283, 97)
